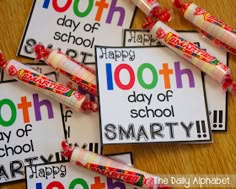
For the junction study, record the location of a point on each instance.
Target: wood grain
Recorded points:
(215, 158)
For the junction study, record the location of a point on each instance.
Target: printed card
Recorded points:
(150, 95)
(66, 175)
(214, 92)
(31, 130)
(76, 27)
(82, 128)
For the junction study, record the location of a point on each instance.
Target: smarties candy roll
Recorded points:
(152, 8)
(110, 168)
(190, 52)
(75, 71)
(45, 85)
(210, 25)
(217, 42)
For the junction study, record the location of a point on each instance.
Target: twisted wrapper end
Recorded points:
(150, 22)
(163, 15)
(180, 5)
(40, 51)
(67, 149)
(90, 105)
(2, 61)
(229, 84)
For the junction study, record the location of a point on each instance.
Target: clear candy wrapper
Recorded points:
(77, 72)
(47, 86)
(153, 9)
(110, 168)
(217, 42)
(219, 33)
(193, 54)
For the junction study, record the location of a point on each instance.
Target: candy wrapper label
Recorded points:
(38, 67)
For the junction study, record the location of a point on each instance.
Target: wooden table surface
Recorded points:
(215, 158)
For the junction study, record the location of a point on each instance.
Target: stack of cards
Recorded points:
(147, 94)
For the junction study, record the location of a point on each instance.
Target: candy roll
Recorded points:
(217, 42)
(190, 52)
(44, 85)
(75, 71)
(209, 24)
(110, 168)
(152, 8)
